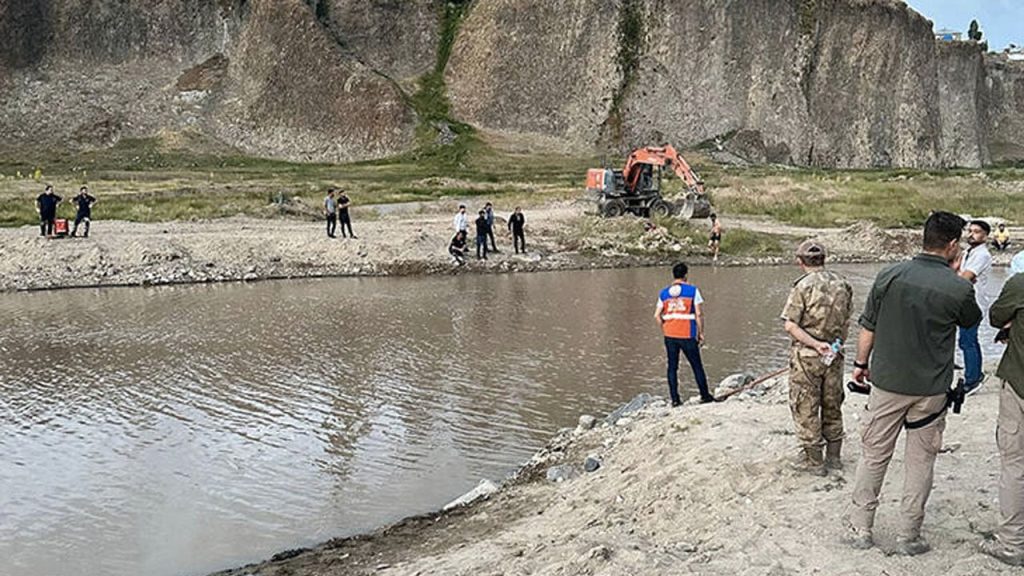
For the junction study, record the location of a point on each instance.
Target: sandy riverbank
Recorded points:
(704, 489)
(390, 242)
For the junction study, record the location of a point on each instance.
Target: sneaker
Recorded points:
(999, 551)
(911, 546)
(709, 400)
(676, 403)
(974, 386)
(858, 539)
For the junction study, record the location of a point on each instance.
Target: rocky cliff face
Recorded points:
(834, 83)
(837, 83)
(263, 76)
(1004, 91)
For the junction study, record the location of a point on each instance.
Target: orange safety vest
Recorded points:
(678, 310)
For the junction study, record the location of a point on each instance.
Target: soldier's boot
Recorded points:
(810, 461)
(833, 455)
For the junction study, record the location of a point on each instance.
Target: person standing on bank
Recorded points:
(517, 225)
(975, 267)
(909, 331)
(331, 212)
(461, 221)
(817, 318)
(489, 214)
(680, 313)
(343, 216)
(1008, 543)
(85, 202)
(482, 229)
(46, 207)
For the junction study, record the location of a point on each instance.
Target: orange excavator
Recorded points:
(637, 187)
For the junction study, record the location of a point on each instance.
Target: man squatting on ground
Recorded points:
(909, 330)
(85, 202)
(679, 312)
(331, 212)
(975, 267)
(1008, 542)
(457, 248)
(46, 206)
(817, 314)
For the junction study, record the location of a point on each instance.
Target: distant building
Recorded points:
(947, 35)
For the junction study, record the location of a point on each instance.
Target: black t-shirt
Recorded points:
(84, 203)
(48, 203)
(458, 242)
(482, 227)
(516, 222)
(343, 206)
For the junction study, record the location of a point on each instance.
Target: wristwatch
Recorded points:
(861, 365)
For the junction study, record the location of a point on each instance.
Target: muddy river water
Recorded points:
(180, 430)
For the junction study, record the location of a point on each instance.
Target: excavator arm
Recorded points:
(661, 156)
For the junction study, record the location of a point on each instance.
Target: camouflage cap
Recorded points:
(811, 248)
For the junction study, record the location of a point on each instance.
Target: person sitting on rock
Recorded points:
(1001, 239)
(457, 248)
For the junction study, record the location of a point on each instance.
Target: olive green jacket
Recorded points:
(1008, 308)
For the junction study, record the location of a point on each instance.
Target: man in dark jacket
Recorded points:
(482, 230)
(516, 225)
(46, 206)
(489, 214)
(84, 201)
(909, 330)
(1008, 543)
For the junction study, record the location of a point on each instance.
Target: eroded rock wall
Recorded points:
(1004, 90)
(834, 83)
(263, 76)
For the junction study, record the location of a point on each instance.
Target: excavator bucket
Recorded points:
(693, 206)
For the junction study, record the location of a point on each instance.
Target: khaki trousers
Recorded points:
(884, 419)
(1010, 439)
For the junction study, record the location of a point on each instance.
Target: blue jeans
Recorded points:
(689, 347)
(972, 354)
(481, 246)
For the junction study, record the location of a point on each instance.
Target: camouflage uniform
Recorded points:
(820, 303)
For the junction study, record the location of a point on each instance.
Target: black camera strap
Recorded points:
(929, 418)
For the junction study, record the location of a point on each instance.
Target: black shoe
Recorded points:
(974, 386)
(709, 400)
(676, 403)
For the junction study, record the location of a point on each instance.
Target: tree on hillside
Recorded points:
(974, 32)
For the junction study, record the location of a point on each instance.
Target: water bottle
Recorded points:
(833, 351)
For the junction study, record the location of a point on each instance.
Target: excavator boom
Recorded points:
(661, 156)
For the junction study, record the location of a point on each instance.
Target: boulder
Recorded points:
(482, 490)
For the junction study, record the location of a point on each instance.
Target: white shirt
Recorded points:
(979, 260)
(461, 222)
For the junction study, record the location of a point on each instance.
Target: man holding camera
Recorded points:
(1007, 545)
(909, 323)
